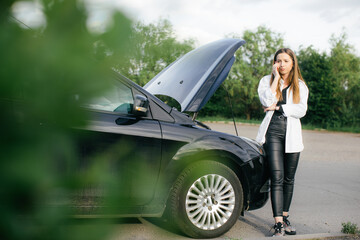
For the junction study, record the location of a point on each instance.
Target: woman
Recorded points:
(284, 96)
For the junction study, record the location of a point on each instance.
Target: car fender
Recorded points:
(235, 153)
(234, 146)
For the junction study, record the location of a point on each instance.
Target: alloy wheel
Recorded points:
(210, 202)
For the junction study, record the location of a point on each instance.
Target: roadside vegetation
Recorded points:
(350, 228)
(334, 91)
(307, 126)
(333, 77)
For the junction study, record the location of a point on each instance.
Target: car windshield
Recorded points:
(118, 99)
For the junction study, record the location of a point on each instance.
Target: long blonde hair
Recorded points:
(294, 76)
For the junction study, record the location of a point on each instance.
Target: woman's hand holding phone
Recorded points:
(277, 77)
(275, 69)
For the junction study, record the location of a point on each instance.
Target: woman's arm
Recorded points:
(266, 96)
(297, 110)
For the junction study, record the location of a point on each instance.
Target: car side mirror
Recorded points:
(141, 105)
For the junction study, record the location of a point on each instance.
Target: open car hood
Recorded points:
(194, 78)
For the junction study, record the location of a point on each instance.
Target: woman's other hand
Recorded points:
(271, 108)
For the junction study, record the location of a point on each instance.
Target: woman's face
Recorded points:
(285, 63)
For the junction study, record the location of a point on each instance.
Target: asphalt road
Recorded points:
(327, 191)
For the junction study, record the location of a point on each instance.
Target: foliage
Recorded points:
(154, 47)
(345, 72)
(333, 79)
(334, 82)
(315, 69)
(219, 104)
(52, 70)
(253, 61)
(349, 228)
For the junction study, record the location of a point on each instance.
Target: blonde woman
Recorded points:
(284, 96)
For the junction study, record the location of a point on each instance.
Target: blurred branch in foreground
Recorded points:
(43, 72)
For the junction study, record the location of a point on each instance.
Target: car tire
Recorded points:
(206, 199)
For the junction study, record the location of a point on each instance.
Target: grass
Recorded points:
(334, 129)
(227, 120)
(305, 126)
(350, 228)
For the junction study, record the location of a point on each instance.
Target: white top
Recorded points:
(293, 112)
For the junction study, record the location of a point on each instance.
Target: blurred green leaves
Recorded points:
(45, 75)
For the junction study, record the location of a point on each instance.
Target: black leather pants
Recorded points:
(282, 166)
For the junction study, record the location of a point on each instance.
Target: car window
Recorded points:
(118, 99)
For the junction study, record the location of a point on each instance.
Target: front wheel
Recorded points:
(206, 199)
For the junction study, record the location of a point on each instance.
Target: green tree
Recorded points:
(345, 72)
(154, 48)
(333, 81)
(219, 104)
(316, 71)
(46, 69)
(253, 61)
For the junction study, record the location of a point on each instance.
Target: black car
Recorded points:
(167, 161)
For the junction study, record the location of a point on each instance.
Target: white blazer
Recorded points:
(293, 112)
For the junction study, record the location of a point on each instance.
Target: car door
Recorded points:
(126, 147)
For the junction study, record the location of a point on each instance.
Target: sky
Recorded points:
(302, 23)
